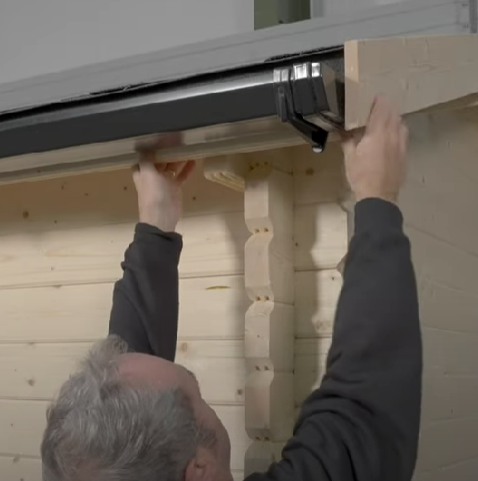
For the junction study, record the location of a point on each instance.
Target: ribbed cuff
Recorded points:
(377, 214)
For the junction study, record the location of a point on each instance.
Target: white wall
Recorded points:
(38, 37)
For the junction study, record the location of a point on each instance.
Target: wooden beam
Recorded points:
(416, 73)
(269, 326)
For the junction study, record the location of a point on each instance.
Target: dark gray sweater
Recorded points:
(362, 423)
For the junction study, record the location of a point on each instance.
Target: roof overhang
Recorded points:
(281, 102)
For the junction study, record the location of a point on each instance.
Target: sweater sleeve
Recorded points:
(145, 300)
(362, 424)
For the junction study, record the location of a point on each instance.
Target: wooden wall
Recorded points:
(440, 204)
(61, 243)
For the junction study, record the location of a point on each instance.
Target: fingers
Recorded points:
(404, 136)
(186, 171)
(383, 116)
(350, 141)
(180, 171)
(348, 146)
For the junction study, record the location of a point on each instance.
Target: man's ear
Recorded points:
(202, 467)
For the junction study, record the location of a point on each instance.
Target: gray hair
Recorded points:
(100, 428)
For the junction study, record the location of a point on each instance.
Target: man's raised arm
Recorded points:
(362, 424)
(145, 300)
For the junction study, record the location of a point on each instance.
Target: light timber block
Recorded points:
(260, 455)
(316, 297)
(416, 73)
(272, 395)
(268, 272)
(269, 328)
(269, 251)
(320, 233)
(269, 337)
(229, 171)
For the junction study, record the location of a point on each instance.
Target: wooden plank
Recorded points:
(321, 236)
(316, 297)
(448, 396)
(36, 371)
(443, 263)
(443, 307)
(269, 328)
(219, 367)
(213, 246)
(449, 442)
(17, 468)
(318, 177)
(443, 174)
(81, 312)
(98, 199)
(465, 470)
(269, 251)
(453, 353)
(309, 366)
(22, 424)
(415, 73)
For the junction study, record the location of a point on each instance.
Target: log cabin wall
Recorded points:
(440, 205)
(61, 244)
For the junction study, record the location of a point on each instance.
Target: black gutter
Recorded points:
(223, 97)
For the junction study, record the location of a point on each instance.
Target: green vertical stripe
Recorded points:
(274, 12)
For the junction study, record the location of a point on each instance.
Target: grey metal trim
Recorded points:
(473, 5)
(411, 17)
(316, 8)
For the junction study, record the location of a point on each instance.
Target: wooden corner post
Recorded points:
(269, 324)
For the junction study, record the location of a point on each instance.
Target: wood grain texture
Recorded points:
(228, 171)
(316, 297)
(309, 363)
(318, 178)
(81, 312)
(416, 73)
(18, 467)
(99, 199)
(321, 236)
(269, 332)
(213, 246)
(80, 227)
(37, 371)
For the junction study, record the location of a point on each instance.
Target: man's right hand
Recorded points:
(159, 188)
(376, 164)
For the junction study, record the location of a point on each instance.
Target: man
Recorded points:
(131, 414)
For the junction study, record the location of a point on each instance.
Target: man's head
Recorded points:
(133, 417)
